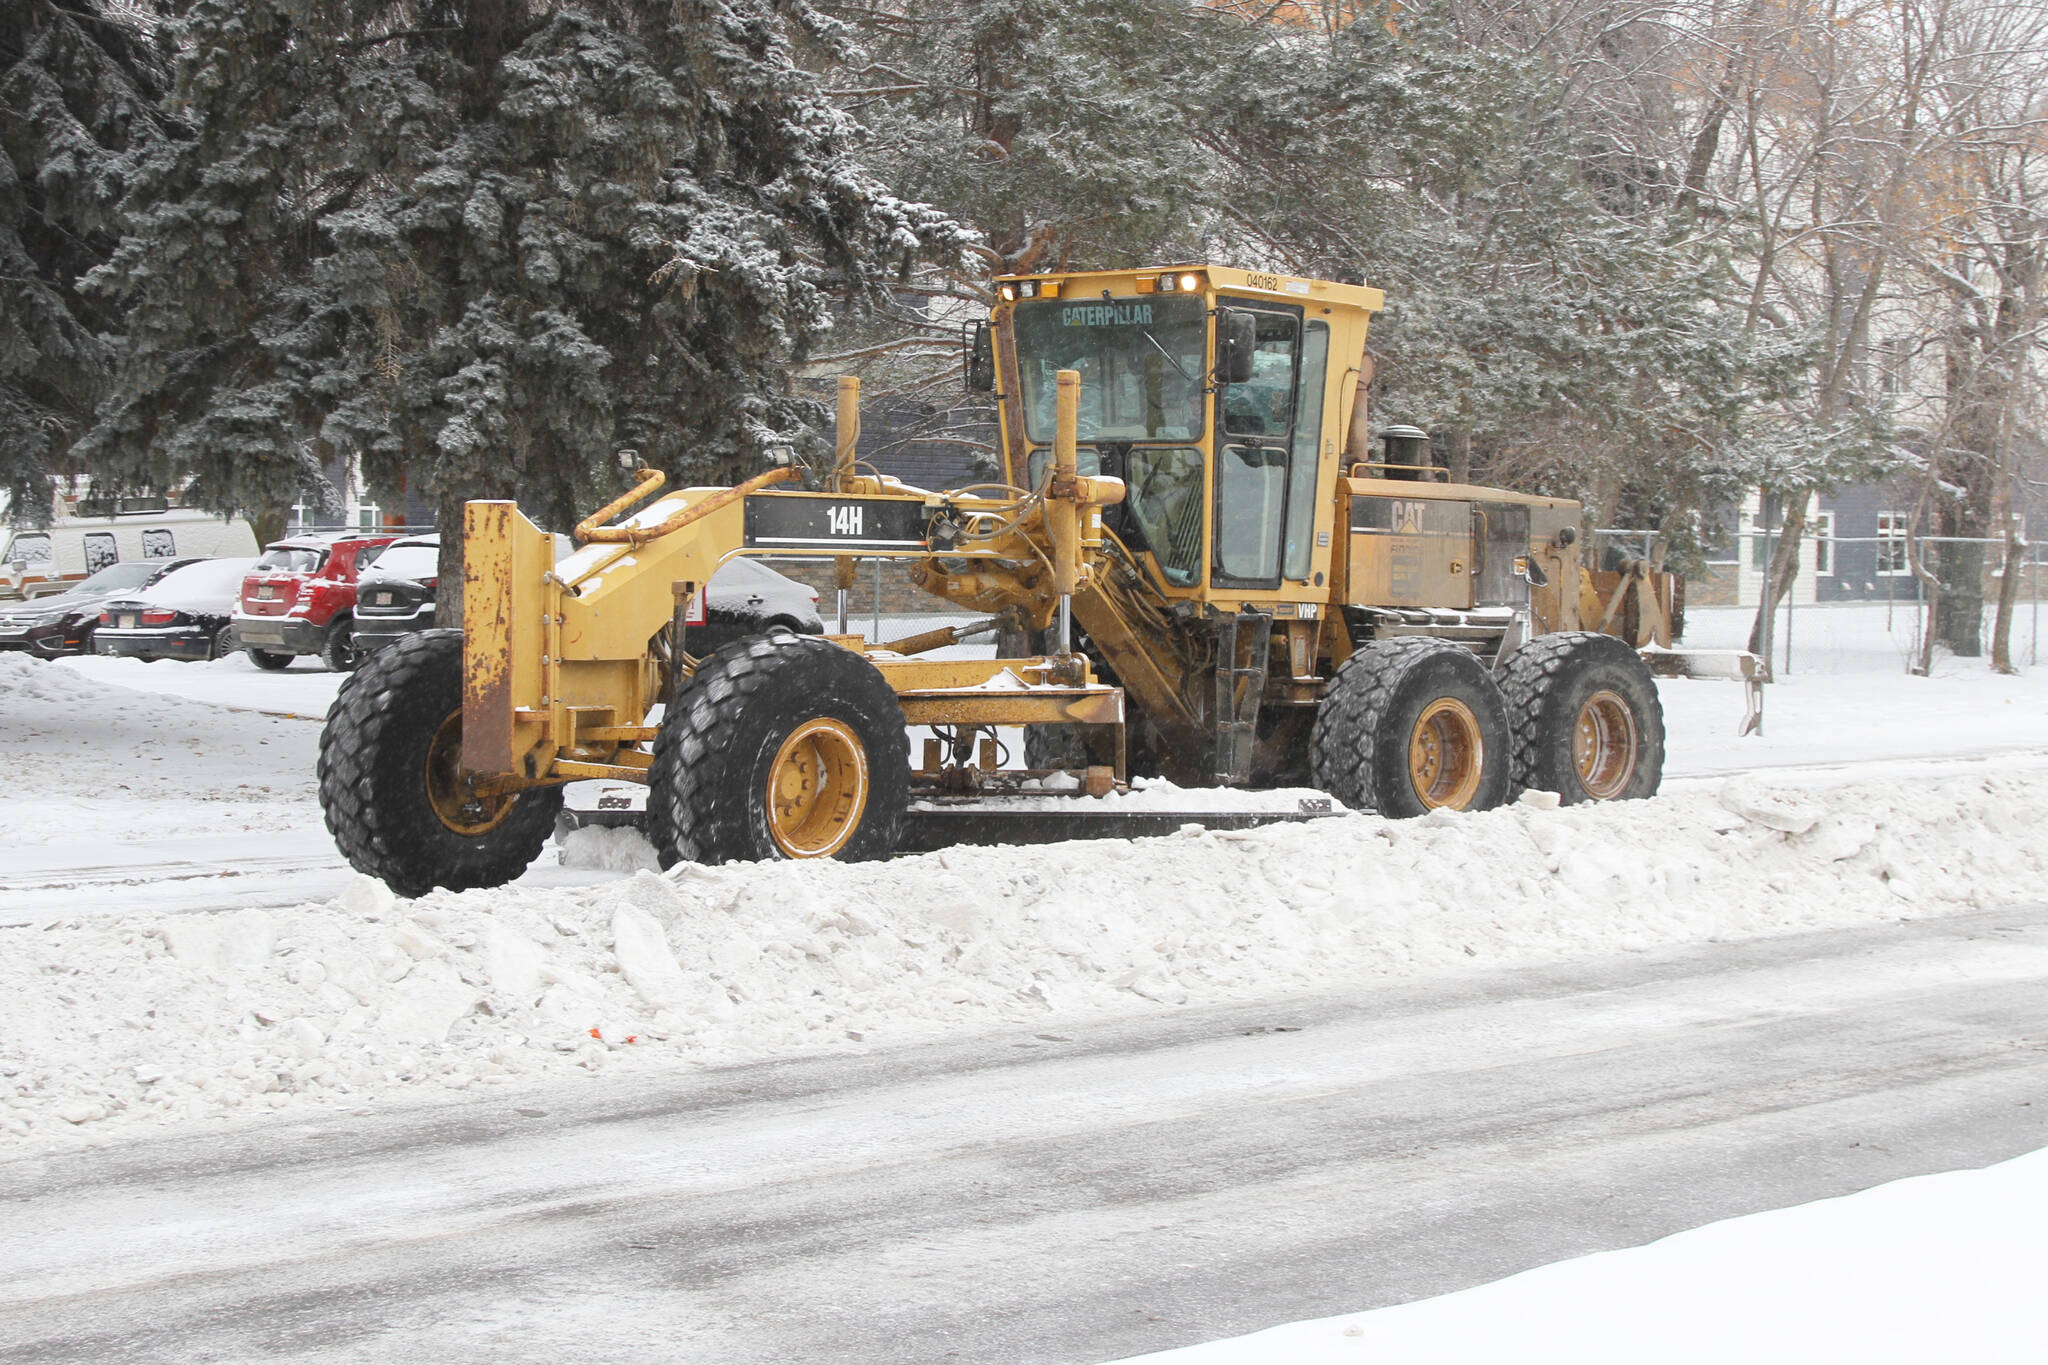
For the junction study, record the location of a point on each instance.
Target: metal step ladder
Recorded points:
(1237, 708)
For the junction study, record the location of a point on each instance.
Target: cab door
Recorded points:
(1267, 442)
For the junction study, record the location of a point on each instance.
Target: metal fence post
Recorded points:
(1767, 618)
(1789, 604)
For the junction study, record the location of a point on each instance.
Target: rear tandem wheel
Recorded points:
(1587, 721)
(1410, 724)
(392, 786)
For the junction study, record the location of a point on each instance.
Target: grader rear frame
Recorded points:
(1195, 564)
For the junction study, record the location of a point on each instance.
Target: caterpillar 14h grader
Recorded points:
(1194, 564)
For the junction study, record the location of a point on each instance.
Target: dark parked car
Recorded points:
(63, 623)
(746, 598)
(395, 595)
(301, 598)
(187, 614)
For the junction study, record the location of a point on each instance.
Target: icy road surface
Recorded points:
(1004, 1104)
(1037, 1196)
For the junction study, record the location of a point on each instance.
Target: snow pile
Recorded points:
(88, 760)
(1938, 1267)
(600, 849)
(1148, 794)
(227, 686)
(111, 1021)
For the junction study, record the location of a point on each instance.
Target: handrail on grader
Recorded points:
(645, 482)
(591, 534)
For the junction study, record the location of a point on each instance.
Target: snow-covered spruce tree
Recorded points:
(483, 244)
(80, 85)
(1062, 131)
(1539, 318)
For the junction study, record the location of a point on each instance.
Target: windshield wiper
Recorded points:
(1168, 354)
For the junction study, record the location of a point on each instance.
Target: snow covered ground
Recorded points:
(180, 945)
(1938, 1267)
(132, 808)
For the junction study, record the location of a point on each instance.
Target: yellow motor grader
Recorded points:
(1194, 564)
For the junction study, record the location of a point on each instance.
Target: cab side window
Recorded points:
(1165, 499)
(1308, 434)
(1264, 406)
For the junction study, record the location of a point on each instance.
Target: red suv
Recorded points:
(301, 598)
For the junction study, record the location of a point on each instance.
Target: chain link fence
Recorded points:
(1836, 575)
(1849, 593)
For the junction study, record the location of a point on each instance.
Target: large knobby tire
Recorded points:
(780, 746)
(1587, 721)
(391, 784)
(1061, 746)
(1408, 725)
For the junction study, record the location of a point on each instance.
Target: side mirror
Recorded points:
(1237, 335)
(981, 360)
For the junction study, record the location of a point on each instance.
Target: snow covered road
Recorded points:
(1063, 1103)
(1134, 1185)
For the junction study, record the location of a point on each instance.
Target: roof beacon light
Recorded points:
(1009, 293)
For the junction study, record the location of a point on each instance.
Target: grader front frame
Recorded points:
(560, 664)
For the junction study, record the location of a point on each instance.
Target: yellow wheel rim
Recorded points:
(1446, 754)
(817, 789)
(1605, 746)
(456, 802)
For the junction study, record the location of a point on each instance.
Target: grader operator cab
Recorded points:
(1194, 564)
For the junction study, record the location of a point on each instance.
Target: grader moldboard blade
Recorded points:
(941, 822)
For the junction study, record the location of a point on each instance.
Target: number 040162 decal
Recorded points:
(870, 523)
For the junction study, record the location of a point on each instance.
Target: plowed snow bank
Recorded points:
(112, 1022)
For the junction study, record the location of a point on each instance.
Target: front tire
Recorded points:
(1411, 724)
(781, 746)
(392, 787)
(1588, 723)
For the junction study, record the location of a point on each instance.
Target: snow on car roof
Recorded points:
(211, 585)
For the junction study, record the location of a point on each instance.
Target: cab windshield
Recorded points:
(1140, 361)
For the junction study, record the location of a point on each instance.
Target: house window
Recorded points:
(1763, 537)
(368, 516)
(1891, 543)
(1822, 530)
(1894, 354)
